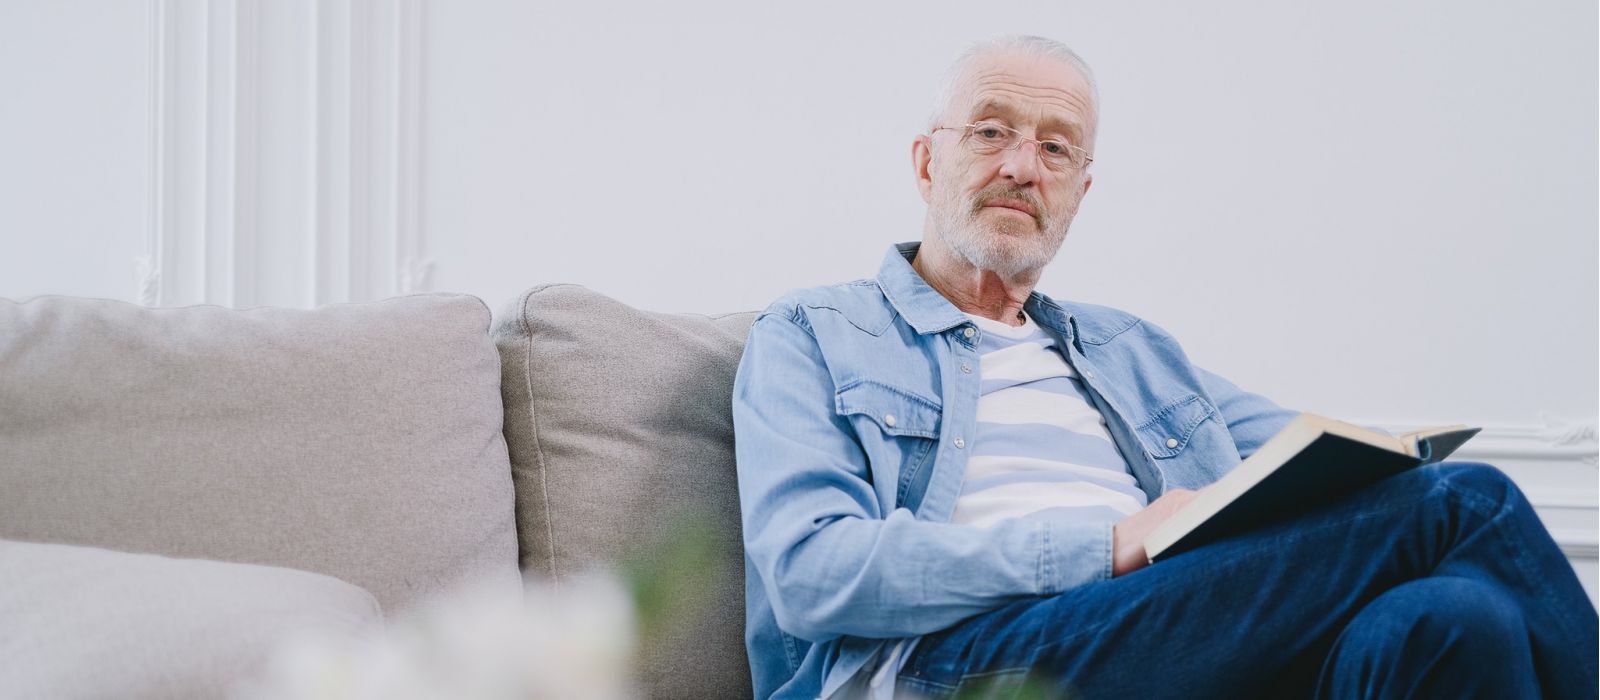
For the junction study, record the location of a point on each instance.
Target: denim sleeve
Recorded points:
(1251, 418)
(830, 560)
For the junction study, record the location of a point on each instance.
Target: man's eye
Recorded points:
(1054, 148)
(989, 132)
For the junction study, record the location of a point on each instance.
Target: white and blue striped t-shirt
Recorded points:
(1041, 450)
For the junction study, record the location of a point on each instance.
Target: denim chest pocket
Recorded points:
(1166, 433)
(898, 430)
(894, 411)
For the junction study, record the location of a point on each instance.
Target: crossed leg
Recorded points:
(1438, 582)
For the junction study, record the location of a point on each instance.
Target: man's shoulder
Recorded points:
(1097, 324)
(859, 301)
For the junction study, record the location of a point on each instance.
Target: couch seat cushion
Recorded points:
(81, 622)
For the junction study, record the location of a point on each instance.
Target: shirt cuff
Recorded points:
(1071, 555)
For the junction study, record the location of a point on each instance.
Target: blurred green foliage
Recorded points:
(673, 576)
(676, 573)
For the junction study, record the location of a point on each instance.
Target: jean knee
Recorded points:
(1447, 611)
(1441, 636)
(1479, 479)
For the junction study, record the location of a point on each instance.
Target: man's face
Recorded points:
(1008, 211)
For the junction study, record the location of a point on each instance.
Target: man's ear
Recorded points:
(921, 157)
(1088, 179)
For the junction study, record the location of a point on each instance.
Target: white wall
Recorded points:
(74, 185)
(1389, 193)
(1381, 211)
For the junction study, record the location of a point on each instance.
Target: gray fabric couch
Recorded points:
(182, 488)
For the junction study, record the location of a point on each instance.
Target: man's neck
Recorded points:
(974, 291)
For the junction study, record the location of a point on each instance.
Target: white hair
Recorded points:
(1022, 44)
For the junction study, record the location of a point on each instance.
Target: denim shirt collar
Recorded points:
(928, 311)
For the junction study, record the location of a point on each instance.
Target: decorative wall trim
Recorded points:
(413, 269)
(368, 238)
(355, 68)
(329, 242)
(147, 267)
(203, 137)
(1554, 463)
(1576, 543)
(1572, 443)
(1553, 441)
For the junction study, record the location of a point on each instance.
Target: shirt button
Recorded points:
(966, 368)
(969, 332)
(888, 419)
(960, 443)
(1171, 442)
(1088, 375)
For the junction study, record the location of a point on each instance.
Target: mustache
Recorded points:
(989, 194)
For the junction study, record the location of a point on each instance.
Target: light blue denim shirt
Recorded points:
(852, 410)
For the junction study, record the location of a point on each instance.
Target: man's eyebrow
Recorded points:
(992, 106)
(1006, 110)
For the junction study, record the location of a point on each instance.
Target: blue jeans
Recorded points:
(1438, 582)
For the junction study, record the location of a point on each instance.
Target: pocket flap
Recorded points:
(1166, 433)
(895, 411)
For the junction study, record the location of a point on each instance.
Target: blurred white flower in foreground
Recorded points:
(575, 642)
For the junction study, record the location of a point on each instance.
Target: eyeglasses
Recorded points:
(984, 138)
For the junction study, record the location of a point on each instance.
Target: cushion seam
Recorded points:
(538, 445)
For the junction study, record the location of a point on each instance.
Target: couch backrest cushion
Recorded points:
(360, 441)
(620, 428)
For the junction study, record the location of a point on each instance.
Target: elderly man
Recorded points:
(946, 478)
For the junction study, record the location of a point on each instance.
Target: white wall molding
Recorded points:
(203, 141)
(413, 269)
(368, 237)
(1576, 543)
(1552, 440)
(334, 216)
(1555, 466)
(1554, 463)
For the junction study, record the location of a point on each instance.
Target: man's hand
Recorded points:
(1127, 537)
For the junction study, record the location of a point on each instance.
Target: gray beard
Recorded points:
(999, 251)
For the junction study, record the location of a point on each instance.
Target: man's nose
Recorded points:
(1021, 164)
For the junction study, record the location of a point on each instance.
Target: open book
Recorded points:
(1312, 461)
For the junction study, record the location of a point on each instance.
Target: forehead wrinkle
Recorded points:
(1070, 99)
(1000, 77)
